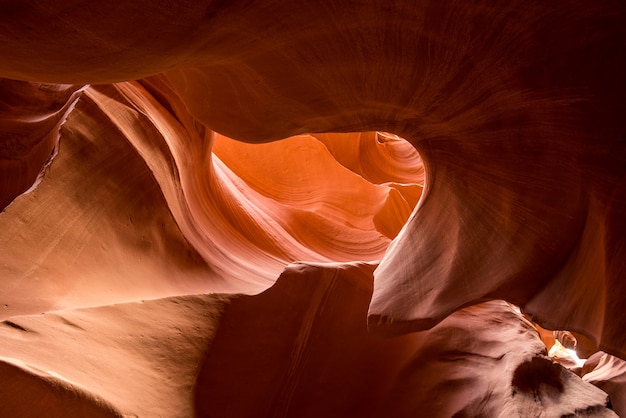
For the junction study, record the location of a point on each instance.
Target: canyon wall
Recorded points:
(420, 161)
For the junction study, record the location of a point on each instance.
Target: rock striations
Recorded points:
(329, 208)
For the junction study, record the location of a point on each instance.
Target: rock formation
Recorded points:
(188, 154)
(609, 374)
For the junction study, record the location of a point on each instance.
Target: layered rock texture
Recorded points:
(322, 208)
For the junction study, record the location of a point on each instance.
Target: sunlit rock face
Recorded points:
(120, 183)
(137, 192)
(609, 374)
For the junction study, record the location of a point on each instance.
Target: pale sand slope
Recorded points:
(134, 359)
(300, 349)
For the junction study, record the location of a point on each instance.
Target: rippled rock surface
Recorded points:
(321, 195)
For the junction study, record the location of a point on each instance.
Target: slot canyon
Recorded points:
(321, 208)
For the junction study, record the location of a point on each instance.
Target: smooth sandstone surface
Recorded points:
(609, 374)
(482, 361)
(299, 349)
(119, 182)
(133, 359)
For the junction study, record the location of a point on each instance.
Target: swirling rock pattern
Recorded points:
(30, 117)
(120, 134)
(609, 374)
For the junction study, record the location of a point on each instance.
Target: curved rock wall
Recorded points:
(119, 133)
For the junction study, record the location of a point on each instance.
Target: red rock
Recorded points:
(609, 374)
(515, 110)
(301, 349)
(30, 117)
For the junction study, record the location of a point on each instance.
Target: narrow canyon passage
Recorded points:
(221, 199)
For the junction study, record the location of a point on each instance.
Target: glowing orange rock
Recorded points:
(515, 109)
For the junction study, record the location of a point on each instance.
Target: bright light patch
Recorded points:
(579, 362)
(558, 351)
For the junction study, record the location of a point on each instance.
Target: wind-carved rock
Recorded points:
(515, 110)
